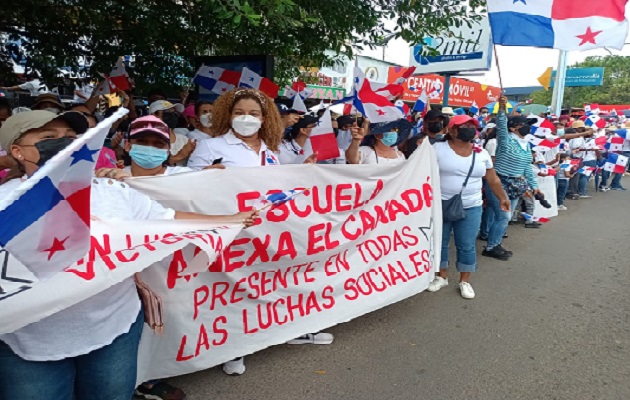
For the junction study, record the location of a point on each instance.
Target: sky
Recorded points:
(520, 66)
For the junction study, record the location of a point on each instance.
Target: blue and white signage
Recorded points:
(459, 49)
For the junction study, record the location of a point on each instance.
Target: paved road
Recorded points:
(552, 323)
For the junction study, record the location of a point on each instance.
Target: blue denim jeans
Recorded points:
(501, 218)
(487, 218)
(563, 186)
(465, 233)
(585, 178)
(108, 373)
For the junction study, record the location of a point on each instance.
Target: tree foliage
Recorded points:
(166, 35)
(615, 90)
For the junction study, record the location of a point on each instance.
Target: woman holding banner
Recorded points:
(463, 165)
(87, 351)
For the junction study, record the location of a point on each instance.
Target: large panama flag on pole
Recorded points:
(559, 24)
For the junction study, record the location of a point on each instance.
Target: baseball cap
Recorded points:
(433, 114)
(304, 122)
(461, 120)
(564, 118)
(48, 98)
(520, 120)
(149, 124)
(23, 122)
(161, 105)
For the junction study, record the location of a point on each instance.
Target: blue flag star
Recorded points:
(519, 1)
(84, 153)
(251, 79)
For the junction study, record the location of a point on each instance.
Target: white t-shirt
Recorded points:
(583, 143)
(98, 320)
(626, 145)
(453, 171)
(367, 155)
(35, 87)
(233, 152)
(180, 142)
(197, 135)
(491, 147)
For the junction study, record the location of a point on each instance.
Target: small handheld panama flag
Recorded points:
(45, 222)
(542, 127)
(531, 218)
(252, 80)
(395, 89)
(421, 103)
(595, 121)
(615, 143)
(323, 140)
(587, 171)
(375, 107)
(275, 199)
(119, 76)
(539, 144)
(215, 79)
(616, 163)
(474, 109)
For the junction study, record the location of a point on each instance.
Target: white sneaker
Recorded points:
(466, 290)
(437, 284)
(235, 367)
(562, 208)
(585, 196)
(313, 338)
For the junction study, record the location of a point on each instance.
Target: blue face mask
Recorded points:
(389, 138)
(148, 157)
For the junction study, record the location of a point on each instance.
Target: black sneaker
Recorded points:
(496, 252)
(508, 252)
(159, 391)
(533, 225)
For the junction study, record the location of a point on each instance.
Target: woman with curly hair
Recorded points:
(246, 132)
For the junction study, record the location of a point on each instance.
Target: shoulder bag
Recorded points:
(453, 208)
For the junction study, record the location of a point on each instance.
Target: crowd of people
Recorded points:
(488, 174)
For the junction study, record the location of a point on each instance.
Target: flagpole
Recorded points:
(558, 87)
(496, 60)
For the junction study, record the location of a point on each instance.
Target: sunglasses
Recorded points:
(147, 124)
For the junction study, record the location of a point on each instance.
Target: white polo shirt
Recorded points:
(233, 152)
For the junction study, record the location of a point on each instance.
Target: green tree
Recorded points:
(166, 35)
(615, 89)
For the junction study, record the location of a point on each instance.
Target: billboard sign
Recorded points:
(581, 77)
(458, 49)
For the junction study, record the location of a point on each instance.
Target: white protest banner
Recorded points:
(362, 237)
(118, 249)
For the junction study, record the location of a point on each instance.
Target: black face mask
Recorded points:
(50, 147)
(435, 127)
(466, 134)
(524, 130)
(170, 120)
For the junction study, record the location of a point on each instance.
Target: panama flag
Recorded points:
(215, 79)
(375, 107)
(588, 171)
(45, 222)
(323, 140)
(539, 144)
(615, 143)
(474, 109)
(542, 127)
(298, 98)
(421, 103)
(105, 87)
(394, 89)
(119, 76)
(623, 133)
(250, 79)
(531, 218)
(595, 122)
(275, 199)
(559, 24)
(402, 107)
(616, 163)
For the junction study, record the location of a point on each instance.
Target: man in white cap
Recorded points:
(165, 110)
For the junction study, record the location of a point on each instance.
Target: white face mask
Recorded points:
(53, 110)
(206, 120)
(246, 125)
